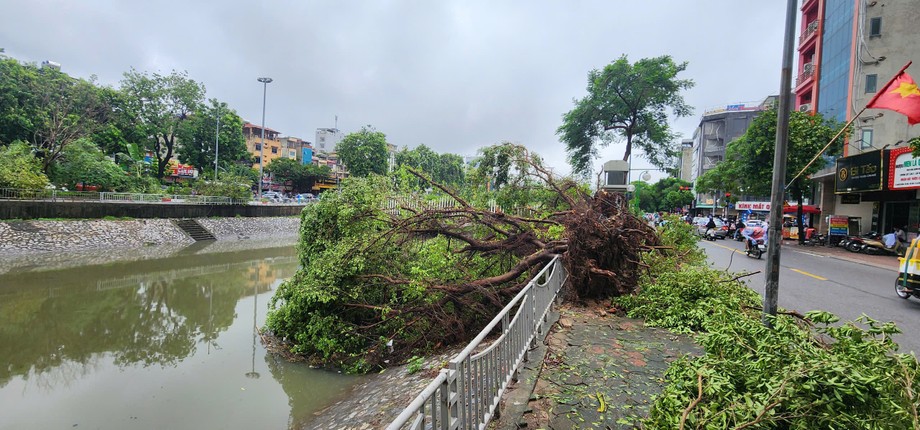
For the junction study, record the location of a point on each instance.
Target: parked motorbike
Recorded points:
(877, 247)
(817, 239)
(756, 249)
(710, 235)
(855, 243)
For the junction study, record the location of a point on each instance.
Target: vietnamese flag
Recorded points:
(900, 95)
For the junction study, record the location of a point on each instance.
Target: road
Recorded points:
(810, 281)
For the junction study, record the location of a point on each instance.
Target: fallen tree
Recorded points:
(379, 282)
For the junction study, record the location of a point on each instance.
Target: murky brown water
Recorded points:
(156, 344)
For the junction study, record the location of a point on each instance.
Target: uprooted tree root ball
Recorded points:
(385, 277)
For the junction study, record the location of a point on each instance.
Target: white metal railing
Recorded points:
(465, 395)
(60, 195)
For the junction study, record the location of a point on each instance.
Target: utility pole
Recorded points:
(771, 291)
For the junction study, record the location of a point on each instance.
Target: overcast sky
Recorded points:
(454, 75)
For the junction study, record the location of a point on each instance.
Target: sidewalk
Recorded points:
(599, 371)
(879, 261)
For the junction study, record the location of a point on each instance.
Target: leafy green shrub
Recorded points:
(803, 373)
(339, 309)
(693, 299)
(235, 187)
(415, 364)
(83, 161)
(20, 169)
(792, 377)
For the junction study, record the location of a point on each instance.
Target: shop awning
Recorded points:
(808, 209)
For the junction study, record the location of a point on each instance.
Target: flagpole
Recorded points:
(877, 95)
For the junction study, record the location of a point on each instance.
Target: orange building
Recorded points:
(273, 147)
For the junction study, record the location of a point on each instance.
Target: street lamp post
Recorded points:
(216, 141)
(265, 82)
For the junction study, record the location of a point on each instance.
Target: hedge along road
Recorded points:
(819, 278)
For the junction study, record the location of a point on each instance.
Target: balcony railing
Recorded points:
(810, 30)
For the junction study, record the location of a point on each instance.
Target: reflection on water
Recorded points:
(166, 343)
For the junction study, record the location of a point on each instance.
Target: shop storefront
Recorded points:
(881, 188)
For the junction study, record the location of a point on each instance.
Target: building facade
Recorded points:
(718, 127)
(327, 139)
(848, 51)
(273, 146)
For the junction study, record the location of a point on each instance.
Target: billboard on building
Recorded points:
(859, 173)
(306, 155)
(903, 169)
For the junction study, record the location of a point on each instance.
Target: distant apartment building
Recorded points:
(327, 139)
(718, 127)
(848, 50)
(273, 146)
(297, 149)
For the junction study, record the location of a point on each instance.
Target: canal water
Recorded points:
(154, 344)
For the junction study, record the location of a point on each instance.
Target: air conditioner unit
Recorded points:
(805, 107)
(808, 69)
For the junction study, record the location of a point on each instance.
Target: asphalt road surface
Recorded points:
(811, 281)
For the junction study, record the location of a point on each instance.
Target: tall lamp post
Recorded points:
(216, 141)
(265, 82)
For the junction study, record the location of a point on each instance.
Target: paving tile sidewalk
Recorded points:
(600, 371)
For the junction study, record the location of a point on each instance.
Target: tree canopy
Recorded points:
(160, 104)
(302, 176)
(627, 102)
(665, 195)
(19, 168)
(445, 168)
(364, 152)
(197, 135)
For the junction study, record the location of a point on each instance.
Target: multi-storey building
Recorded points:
(718, 126)
(327, 139)
(273, 147)
(686, 160)
(297, 149)
(848, 51)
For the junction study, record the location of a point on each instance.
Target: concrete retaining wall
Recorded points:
(30, 237)
(24, 209)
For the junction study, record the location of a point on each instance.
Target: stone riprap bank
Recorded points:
(30, 237)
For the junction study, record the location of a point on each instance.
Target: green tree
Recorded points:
(19, 168)
(750, 157)
(197, 136)
(161, 104)
(445, 169)
(302, 176)
(47, 108)
(627, 102)
(83, 161)
(364, 152)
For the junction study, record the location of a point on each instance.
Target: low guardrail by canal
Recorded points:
(465, 395)
(104, 196)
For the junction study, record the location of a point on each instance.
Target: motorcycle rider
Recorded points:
(710, 227)
(752, 234)
(739, 227)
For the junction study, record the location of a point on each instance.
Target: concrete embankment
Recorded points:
(56, 244)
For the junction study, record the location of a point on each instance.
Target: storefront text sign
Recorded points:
(903, 169)
(838, 225)
(753, 206)
(861, 172)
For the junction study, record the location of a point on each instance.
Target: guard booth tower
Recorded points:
(616, 173)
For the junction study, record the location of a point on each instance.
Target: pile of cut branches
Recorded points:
(379, 285)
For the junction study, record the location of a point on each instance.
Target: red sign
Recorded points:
(903, 169)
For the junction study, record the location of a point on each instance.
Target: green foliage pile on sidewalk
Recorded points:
(342, 306)
(806, 372)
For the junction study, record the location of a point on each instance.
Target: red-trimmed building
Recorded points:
(848, 50)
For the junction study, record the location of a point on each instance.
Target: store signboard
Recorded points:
(849, 199)
(753, 206)
(903, 169)
(839, 225)
(858, 173)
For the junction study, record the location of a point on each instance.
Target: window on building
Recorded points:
(866, 139)
(274, 150)
(875, 27)
(256, 160)
(871, 83)
(258, 147)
